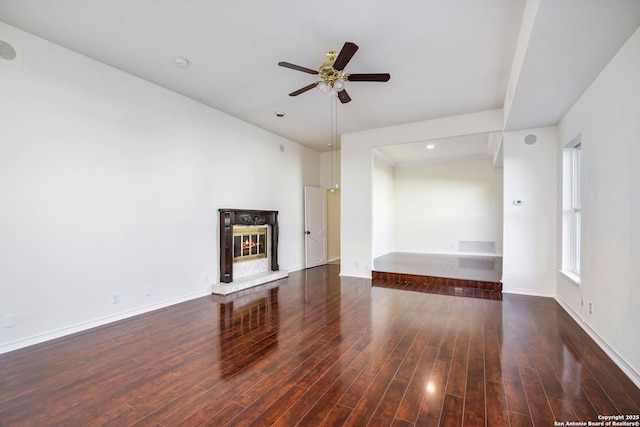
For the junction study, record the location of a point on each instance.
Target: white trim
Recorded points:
(528, 292)
(291, 270)
(383, 157)
(571, 275)
(571, 188)
(574, 141)
(83, 326)
(610, 351)
(352, 274)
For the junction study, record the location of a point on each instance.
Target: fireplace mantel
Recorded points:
(231, 217)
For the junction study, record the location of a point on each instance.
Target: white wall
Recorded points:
(111, 184)
(608, 118)
(356, 209)
(326, 180)
(439, 204)
(327, 169)
(357, 176)
(382, 207)
(333, 225)
(529, 242)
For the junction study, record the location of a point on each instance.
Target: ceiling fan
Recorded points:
(333, 75)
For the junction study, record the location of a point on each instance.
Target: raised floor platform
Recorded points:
(397, 269)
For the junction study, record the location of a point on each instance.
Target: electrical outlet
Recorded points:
(590, 308)
(205, 279)
(115, 298)
(147, 290)
(9, 320)
(357, 264)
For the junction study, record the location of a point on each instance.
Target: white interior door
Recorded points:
(315, 226)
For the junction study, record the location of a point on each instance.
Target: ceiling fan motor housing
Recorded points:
(327, 72)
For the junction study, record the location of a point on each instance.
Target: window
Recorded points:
(576, 160)
(571, 206)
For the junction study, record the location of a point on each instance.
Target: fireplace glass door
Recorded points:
(249, 243)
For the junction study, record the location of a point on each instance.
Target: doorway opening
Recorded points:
(322, 226)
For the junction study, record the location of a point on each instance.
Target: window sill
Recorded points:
(575, 278)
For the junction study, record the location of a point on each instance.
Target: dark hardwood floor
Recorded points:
(322, 350)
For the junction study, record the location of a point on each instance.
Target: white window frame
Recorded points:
(572, 209)
(576, 211)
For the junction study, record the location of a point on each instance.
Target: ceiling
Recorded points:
(467, 147)
(445, 57)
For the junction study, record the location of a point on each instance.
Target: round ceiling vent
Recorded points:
(530, 139)
(7, 51)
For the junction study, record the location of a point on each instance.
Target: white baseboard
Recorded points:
(528, 292)
(83, 326)
(617, 359)
(355, 274)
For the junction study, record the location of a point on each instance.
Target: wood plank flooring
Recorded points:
(321, 350)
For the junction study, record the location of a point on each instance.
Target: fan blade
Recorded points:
(348, 50)
(382, 77)
(304, 89)
(297, 67)
(344, 97)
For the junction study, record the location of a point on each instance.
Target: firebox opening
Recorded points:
(249, 243)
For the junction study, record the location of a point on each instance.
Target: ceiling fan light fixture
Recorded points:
(339, 85)
(323, 87)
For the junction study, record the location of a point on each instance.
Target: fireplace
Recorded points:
(247, 235)
(249, 243)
